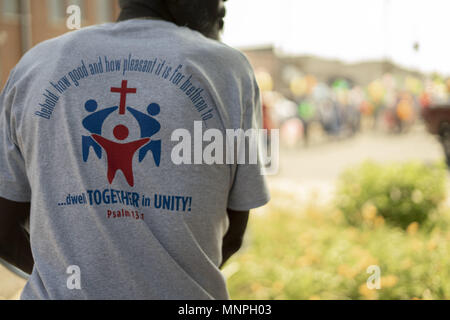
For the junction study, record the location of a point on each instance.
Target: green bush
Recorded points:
(313, 253)
(400, 193)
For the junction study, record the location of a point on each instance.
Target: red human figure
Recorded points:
(120, 155)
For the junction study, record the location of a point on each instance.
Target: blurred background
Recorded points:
(360, 91)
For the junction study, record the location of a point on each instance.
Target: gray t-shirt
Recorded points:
(88, 135)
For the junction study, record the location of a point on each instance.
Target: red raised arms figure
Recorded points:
(120, 155)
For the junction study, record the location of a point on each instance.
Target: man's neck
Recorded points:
(140, 11)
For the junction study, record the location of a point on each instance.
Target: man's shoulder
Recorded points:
(50, 50)
(219, 57)
(223, 54)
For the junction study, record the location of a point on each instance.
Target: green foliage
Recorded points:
(313, 253)
(303, 251)
(400, 193)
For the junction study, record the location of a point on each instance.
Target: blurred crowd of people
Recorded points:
(308, 110)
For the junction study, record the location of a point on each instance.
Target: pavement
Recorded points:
(10, 285)
(314, 169)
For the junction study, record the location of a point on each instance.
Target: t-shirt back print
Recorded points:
(118, 153)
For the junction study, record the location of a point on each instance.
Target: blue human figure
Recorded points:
(94, 123)
(149, 126)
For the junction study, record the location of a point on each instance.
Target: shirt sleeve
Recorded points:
(249, 188)
(14, 184)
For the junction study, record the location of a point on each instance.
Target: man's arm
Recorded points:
(14, 242)
(232, 241)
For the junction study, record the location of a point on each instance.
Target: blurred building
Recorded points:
(25, 23)
(265, 58)
(325, 70)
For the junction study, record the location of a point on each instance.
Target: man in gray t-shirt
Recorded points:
(102, 147)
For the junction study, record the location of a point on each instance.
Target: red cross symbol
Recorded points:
(124, 90)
